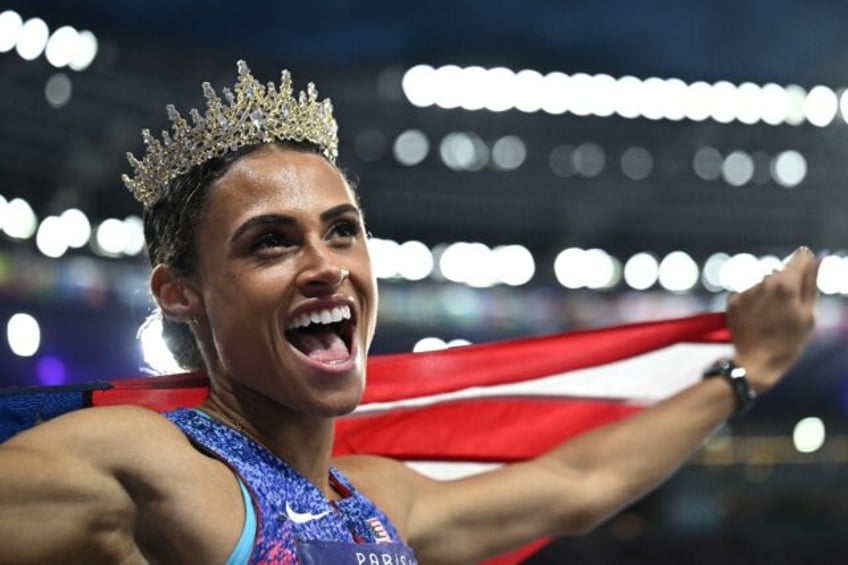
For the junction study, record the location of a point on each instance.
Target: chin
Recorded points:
(339, 403)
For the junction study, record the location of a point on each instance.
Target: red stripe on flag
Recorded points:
(519, 555)
(164, 393)
(483, 430)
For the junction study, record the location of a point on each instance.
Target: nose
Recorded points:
(322, 272)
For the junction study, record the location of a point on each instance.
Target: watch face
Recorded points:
(736, 377)
(737, 373)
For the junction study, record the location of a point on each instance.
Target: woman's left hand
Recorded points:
(771, 322)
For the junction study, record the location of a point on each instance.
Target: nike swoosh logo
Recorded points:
(302, 517)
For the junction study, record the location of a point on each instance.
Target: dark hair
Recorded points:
(169, 228)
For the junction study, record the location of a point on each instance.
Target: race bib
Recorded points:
(343, 553)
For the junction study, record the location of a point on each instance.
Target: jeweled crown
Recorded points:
(252, 114)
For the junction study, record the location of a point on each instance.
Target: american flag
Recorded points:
(467, 409)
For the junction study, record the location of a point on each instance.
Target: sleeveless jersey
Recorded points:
(296, 523)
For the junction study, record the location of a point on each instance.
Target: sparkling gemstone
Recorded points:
(256, 118)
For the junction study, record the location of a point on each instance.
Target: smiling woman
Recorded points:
(280, 238)
(263, 280)
(169, 227)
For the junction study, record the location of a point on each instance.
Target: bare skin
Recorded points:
(123, 485)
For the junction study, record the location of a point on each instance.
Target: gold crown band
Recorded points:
(252, 114)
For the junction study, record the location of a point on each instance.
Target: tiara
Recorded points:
(252, 114)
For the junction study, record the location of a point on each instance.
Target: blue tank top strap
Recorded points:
(244, 546)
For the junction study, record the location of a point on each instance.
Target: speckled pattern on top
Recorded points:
(273, 485)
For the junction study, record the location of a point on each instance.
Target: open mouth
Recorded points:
(324, 335)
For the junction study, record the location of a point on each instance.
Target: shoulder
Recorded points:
(103, 434)
(390, 484)
(371, 473)
(100, 423)
(140, 448)
(147, 454)
(112, 482)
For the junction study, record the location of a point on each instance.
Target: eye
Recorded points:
(346, 229)
(268, 240)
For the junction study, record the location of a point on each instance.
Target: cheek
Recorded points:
(367, 264)
(234, 307)
(373, 308)
(370, 279)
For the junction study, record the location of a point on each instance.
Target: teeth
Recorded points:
(325, 316)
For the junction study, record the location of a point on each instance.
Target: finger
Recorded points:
(809, 282)
(800, 257)
(801, 271)
(798, 265)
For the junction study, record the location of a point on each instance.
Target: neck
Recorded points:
(303, 441)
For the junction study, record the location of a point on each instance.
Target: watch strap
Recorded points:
(737, 378)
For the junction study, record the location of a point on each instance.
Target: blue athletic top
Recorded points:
(295, 523)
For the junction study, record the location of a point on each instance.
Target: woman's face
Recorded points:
(285, 283)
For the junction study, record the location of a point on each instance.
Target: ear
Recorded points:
(176, 295)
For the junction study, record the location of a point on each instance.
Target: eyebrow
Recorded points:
(282, 219)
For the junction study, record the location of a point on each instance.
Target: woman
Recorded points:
(262, 275)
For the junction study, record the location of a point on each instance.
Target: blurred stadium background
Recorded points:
(525, 167)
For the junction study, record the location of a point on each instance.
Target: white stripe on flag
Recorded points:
(449, 470)
(642, 379)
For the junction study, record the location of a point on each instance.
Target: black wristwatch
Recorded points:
(738, 380)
